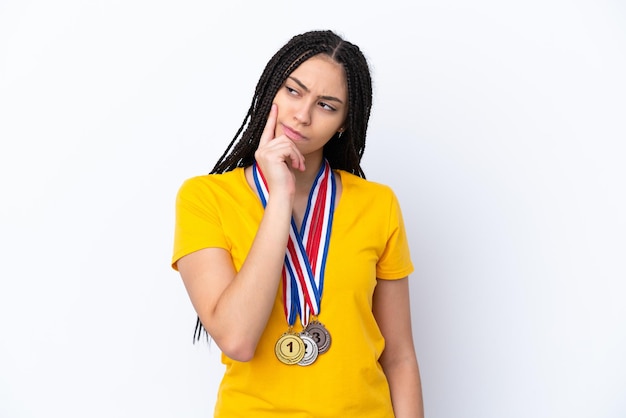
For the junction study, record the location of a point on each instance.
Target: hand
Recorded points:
(277, 157)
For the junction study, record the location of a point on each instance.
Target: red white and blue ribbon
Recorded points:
(307, 250)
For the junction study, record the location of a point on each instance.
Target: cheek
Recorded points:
(335, 123)
(284, 109)
(328, 131)
(282, 99)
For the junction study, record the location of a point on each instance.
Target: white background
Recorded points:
(500, 125)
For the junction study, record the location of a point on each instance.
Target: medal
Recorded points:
(310, 350)
(290, 348)
(303, 271)
(320, 335)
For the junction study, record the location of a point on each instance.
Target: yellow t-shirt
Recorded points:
(368, 241)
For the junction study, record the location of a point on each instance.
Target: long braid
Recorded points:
(343, 153)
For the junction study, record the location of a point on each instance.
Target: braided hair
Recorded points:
(343, 153)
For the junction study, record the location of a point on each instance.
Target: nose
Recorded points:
(302, 113)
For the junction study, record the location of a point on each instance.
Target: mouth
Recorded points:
(291, 133)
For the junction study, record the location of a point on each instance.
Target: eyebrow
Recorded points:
(305, 88)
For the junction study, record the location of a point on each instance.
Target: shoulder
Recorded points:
(211, 183)
(208, 180)
(354, 185)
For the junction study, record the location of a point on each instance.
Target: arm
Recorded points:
(392, 312)
(234, 306)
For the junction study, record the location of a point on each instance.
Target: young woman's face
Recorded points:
(312, 104)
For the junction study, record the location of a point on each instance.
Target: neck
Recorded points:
(304, 179)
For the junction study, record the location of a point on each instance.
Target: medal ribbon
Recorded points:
(306, 253)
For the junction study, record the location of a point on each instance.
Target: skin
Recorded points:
(308, 110)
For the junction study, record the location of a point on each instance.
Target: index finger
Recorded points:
(270, 126)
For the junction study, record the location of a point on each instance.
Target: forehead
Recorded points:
(323, 75)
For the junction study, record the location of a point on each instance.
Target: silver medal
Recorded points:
(310, 350)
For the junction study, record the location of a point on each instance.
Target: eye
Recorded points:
(326, 106)
(291, 91)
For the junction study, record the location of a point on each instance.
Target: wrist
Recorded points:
(281, 201)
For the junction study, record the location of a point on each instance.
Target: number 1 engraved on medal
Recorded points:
(289, 348)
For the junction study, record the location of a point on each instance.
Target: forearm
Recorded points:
(405, 387)
(243, 308)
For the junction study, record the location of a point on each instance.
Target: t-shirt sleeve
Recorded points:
(395, 261)
(198, 223)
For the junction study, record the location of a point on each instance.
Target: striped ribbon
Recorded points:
(307, 250)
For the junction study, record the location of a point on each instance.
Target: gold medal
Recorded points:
(290, 348)
(310, 350)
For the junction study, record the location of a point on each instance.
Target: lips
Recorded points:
(291, 133)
